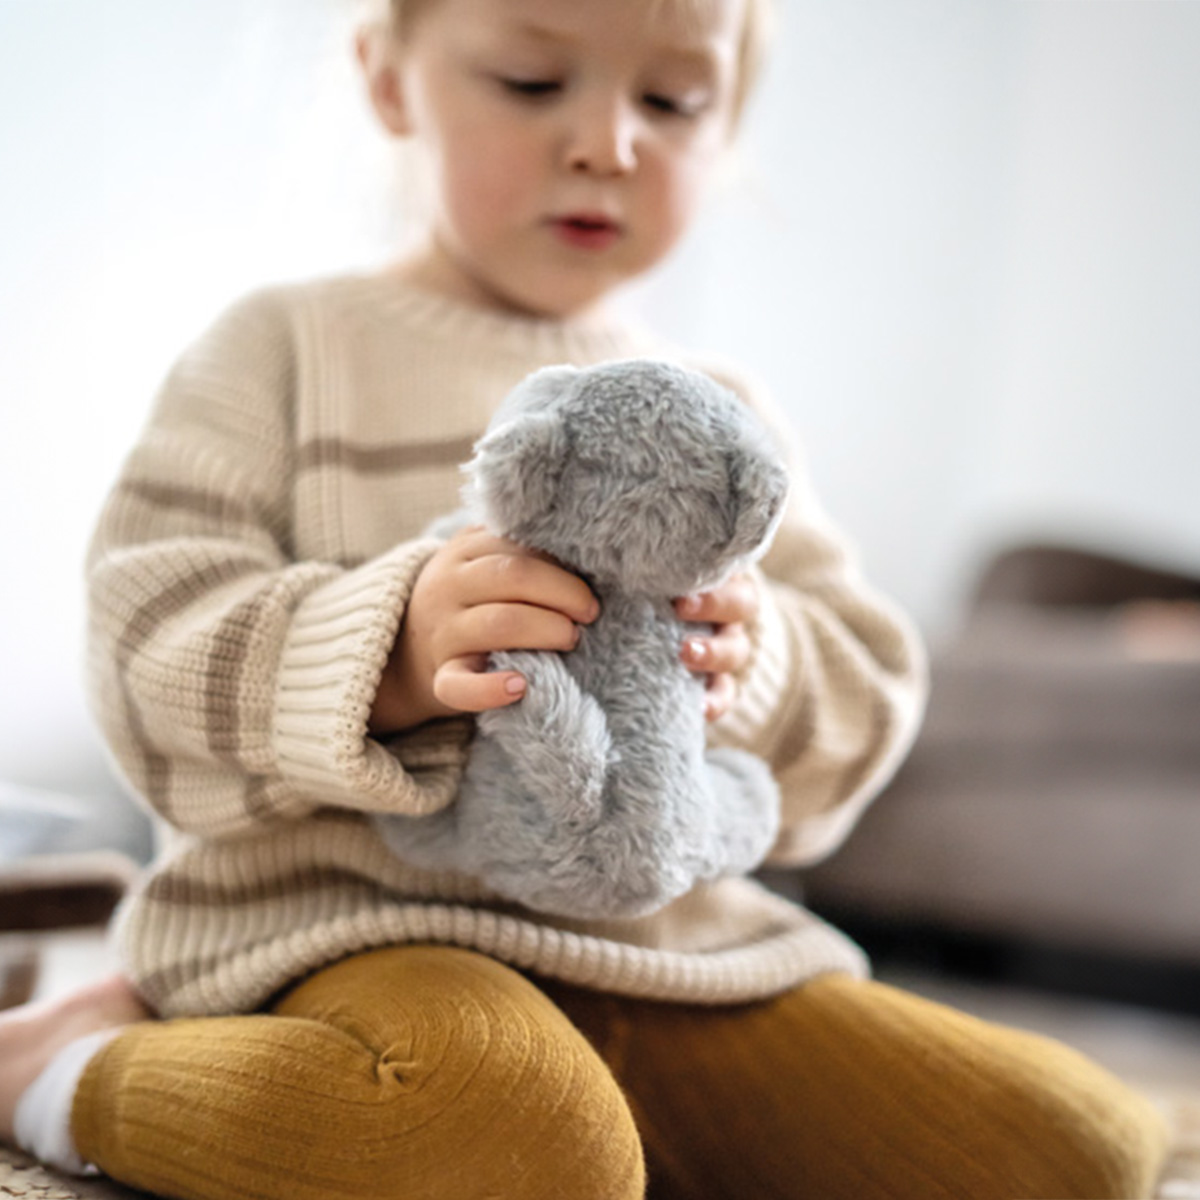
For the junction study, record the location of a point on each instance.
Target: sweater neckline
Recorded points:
(548, 338)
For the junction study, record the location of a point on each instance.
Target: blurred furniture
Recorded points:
(1051, 806)
(64, 866)
(46, 885)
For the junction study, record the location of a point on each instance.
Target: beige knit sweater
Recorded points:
(246, 582)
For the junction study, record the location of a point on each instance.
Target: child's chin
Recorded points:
(562, 294)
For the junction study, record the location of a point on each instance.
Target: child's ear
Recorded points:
(379, 57)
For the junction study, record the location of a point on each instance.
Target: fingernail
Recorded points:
(689, 606)
(696, 650)
(514, 685)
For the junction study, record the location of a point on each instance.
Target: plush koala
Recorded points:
(594, 795)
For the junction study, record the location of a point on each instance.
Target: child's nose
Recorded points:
(602, 139)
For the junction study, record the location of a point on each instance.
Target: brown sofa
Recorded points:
(1049, 815)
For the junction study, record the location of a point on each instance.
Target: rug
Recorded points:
(21, 1176)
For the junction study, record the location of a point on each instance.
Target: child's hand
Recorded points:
(477, 594)
(720, 656)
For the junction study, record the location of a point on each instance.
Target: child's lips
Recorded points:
(586, 230)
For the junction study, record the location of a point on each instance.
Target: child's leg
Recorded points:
(30, 1036)
(420, 1073)
(851, 1090)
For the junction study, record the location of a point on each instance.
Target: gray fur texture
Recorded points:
(594, 795)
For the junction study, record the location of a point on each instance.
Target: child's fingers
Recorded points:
(727, 650)
(719, 696)
(475, 542)
(735, 600)
(466, 685)
(488, 627)
(519, 578)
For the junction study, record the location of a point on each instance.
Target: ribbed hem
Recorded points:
(222, 925)
(794, 950)
(337, 647)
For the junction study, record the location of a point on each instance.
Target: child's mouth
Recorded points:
(587, 231)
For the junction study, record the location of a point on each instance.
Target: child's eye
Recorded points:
(671, 107)
(531, 89)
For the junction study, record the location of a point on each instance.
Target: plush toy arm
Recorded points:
(532, 791)
(556, 738)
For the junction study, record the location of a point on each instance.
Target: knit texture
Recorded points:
(246, 581)
(427, 1073)
(415, 1074)
(847, 1089)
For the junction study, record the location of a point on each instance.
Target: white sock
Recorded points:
(42, 1121)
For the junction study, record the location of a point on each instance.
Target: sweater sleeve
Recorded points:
(233, 683)
(836, 685)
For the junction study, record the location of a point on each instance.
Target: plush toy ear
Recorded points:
(516, 469)
(758, 490)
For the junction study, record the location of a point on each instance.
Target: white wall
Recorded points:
(156, 160)
(965, 257)
(857, 273)
(1091, 397)
(973, 274)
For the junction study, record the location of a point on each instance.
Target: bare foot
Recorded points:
(31, 1035)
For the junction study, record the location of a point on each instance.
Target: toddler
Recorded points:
(277, 653)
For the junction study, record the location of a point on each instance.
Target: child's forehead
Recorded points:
(661, 24)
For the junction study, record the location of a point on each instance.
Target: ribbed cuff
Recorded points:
(337, 647)
(95, 1108)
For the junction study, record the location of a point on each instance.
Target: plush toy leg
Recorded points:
(847, 1089)
(416, 1073)
(747, 808)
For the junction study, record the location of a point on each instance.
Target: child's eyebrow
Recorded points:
(701, 57)
(542, 34)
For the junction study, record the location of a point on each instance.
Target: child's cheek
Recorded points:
(676, 187)
(488, 192)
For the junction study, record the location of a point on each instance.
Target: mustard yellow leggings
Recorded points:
(431, 1073)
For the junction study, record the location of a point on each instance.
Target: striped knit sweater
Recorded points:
(246, 581)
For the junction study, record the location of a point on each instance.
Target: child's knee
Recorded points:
(422, 1077)
(481, 1086)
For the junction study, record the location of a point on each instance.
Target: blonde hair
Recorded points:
(758, 27)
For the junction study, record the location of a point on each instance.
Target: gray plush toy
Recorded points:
(594, 796)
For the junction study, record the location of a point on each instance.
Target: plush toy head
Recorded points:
(634, 473)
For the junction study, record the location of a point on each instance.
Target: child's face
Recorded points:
(568, 142)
